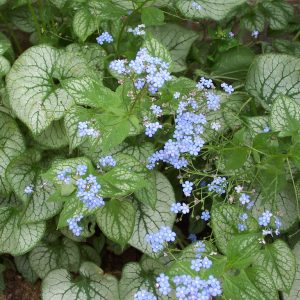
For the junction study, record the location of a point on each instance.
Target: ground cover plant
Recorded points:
(150, 149)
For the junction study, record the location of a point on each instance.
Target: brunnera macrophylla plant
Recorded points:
(140, 125)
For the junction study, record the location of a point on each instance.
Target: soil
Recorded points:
(19, 289)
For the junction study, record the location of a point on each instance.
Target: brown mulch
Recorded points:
(19, 289)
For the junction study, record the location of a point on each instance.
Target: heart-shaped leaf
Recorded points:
(273, 74)
(91, 284)
(148, 220)
(116, 220)
(16, 238)
(35, 85)
(11, 146)
(207, 9)
(63, 253)
(279, 261)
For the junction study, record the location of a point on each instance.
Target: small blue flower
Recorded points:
(81, 170)
(265, 218)
(205, 215)
(187, 188)
(266, 129)
(218, 185)
(255, 34)
(144, 295)
(104, 37)
(176, 208)
(157, 240)
(192, 237)
(151, 128)
(28, 190)
(156, 109)
(138, 31)
(163, 284)
(73, 225)
(227, 88)
(107, 161)
(244, 199)
(242, 227)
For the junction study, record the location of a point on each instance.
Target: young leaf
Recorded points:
(91, 284)
(116, 220)
(4, 66)
(148, 220)
(84, 23)
(16, 238)
(152, 16)
(271, 75)
(242, 250)
(35, 81)
(46, 257)
(279, 261)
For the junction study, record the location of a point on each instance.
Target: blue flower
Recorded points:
(85, 130)
(81, 170)
(144, 295)
(218, 185)
(213, 101)
(244, 199)
(107, 161)
(265, 218)
(163, 284)
(104, 37)
(205, 215)
(73, 225)
(227, 88)
(187, 188)
(28, 190)
(64, 175)
(138, 31)
(151, 128)
(242, 227)
(192, 237)
(255, 34)
(156, 109)
(158, 239)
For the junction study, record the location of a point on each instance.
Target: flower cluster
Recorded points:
(242, 225)
(156, 109)
(107, 161)
(73, 225)
(151, 128)
(163, 284)
(65, 175)
(104, 37)
(227, 88)
(139, 30)
(204, 84)
(145, 69)
(87, 191)
(265, 219)
(158, 239)
(180, 207)
(186, 138)
(218, 185)
(84, 129)
(213, 101)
